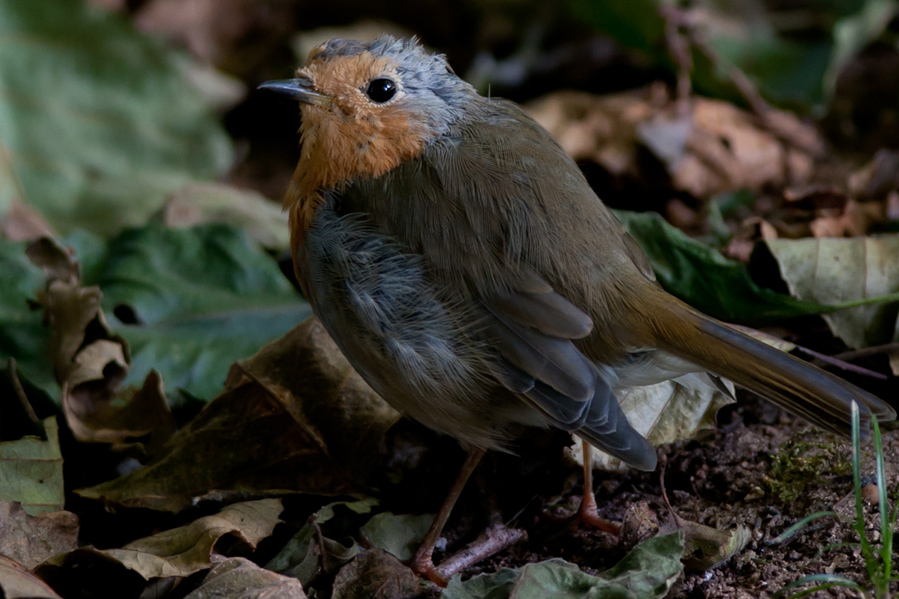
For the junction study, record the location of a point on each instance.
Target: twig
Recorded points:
(868, 351)
(497, 539)
(677, 38)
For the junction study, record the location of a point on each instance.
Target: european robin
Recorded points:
(466, 269)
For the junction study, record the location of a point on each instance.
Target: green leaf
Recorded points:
(702, 277)
(786, 71)
(399, 535)
(633, 23)
(647, 572)
(22, 333)
(852, 33)
(31, 471)
(204, 297)
(97, 121)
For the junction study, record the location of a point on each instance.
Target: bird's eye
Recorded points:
(381, 90)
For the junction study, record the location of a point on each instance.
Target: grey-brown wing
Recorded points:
(533, 329)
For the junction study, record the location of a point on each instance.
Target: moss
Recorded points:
(800, 462)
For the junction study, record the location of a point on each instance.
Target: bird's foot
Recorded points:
(587, 515)
(496, 539)
(424, 566)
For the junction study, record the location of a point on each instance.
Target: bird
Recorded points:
(464, 266)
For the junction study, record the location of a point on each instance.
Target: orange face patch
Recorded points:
(353, 136)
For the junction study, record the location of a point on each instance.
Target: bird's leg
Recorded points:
(422, 563)
(587, 512)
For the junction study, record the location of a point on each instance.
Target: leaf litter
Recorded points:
(238, 447)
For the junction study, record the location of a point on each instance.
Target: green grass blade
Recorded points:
(886, 529)
(791, 531)
(821, 582)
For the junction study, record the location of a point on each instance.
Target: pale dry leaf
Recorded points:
(30, 540)
(239, 578)
(31, 471)
(16, 582)
(664, 413)
(202, 203)
(180, 551)
(834, 271)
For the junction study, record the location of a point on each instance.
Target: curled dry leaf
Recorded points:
(239, 578)
(16, 582)
(714, 149)
(90, 361)
(180, 551)
(22, 222)
(30, 540)
(664, 413)
(295, 417)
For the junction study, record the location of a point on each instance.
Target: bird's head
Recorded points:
(369, 106)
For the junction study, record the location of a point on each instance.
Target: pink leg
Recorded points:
(422, 563)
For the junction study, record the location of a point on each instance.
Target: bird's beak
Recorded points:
(300, 89)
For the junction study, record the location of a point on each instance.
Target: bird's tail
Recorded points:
(805, 390)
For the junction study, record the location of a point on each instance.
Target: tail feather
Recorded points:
(814, 394)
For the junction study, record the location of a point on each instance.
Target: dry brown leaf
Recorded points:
(90, 361)
(239, 578)
(180, 551)
(16, 582)
(294, 418)
(854, 220)
(715, 149)
(30, 540)
(878, 178)
(245, 209)
(22, 222)
(375, 574)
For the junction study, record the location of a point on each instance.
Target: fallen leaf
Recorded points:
(21, 222)
(99, 122)
(706, 547)
(716, 148)
(664, 413)
(239, 578)
(309, 553)
(16, 582)
(180, 551)
(702, 277)
(30, 540)
(90, 361)
(375, 574)
(399, 535)
(836, 271)
(647, 572)
(204, 203)
(193, 301)
(295, 417)
(31, 471)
